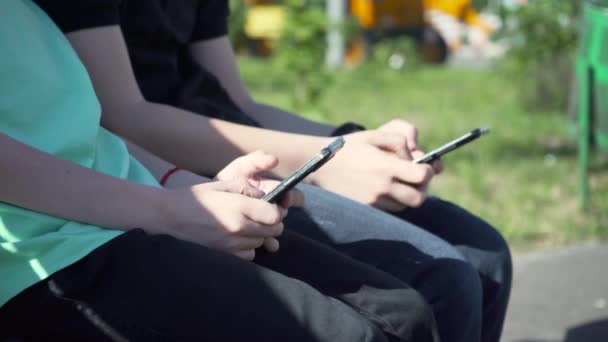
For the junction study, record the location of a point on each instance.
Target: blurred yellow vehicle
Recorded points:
(455, 19)
(381, 19)
(388, 14)
(429, 22)
(460, 9)
(263, 25)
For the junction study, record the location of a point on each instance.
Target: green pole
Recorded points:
(584, 137)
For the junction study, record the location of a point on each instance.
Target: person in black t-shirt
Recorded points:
(171, 44)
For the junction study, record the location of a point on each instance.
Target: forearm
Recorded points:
(35, 180)
(159, 168)
(205, 145)
(156, 165)
(216, 56)
(277, 119)
(183, 138)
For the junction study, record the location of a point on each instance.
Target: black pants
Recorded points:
(482, 246)
(463, 268)
(139, 287)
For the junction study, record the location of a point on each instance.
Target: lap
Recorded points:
(454, 224)
(435, 229)
(336, 220)
(145, 287)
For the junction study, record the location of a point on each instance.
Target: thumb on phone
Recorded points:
(436, 164)
(248, 165)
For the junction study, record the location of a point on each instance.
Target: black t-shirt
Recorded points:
(158, 33)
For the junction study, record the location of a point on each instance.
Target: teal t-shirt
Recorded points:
(47, 101)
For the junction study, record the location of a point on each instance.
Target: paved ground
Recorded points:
(560, 295)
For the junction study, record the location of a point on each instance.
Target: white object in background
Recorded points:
(336, 10)
(449, 27)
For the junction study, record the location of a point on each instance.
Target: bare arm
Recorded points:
(186, 139)
(159, 167)
(212, 214)
(38, 181)
(216, 55)
(362, 170)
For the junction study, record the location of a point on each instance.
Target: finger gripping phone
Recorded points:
(311, 166)
(452, 145)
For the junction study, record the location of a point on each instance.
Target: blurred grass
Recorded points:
(522, 177)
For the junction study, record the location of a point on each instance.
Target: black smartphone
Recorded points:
(452, 145)
(311, 166)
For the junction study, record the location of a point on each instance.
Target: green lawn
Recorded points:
(522, 177)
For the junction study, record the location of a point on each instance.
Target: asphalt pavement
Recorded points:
(560, 295)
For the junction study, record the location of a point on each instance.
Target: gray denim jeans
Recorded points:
(458, 262)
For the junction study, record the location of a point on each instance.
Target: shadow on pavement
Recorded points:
(596, 331)
(588, 332)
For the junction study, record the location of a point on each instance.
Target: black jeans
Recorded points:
(458, 262)
(482, 246)
(139, 287)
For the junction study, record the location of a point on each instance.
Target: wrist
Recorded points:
(295, 151)
(165, 177)
(315, 177)
(184, 178)
(160, 215)
(346, 128)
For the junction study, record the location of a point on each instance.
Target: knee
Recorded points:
(506, 260)
(425, 326)
(460, 280)
(453, 289)
(400, 311)
(499, 266)
(451, 285)
(418, 320)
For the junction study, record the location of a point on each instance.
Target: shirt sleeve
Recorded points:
(211, 20)
(73, 15)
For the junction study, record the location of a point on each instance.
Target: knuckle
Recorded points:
(418, 199)
(385, 189)
(374, 202)
(231, 185)
(413, 129)
(242, 184)
(402, 140)
(376, 136)
(252, 161)
(387, 134)
(278, 230)
(240, 225)
(372, 198)
(428, 174)
(239, 160)
(239, 207)
(233, 231)
(232, 228)
(229, 245)
(258, 153)
(274, 216)
(424, 175)
(248, 255)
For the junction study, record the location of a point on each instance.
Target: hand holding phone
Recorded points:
(452, 145)
(311, 166)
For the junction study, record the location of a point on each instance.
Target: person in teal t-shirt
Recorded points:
(92, 248)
